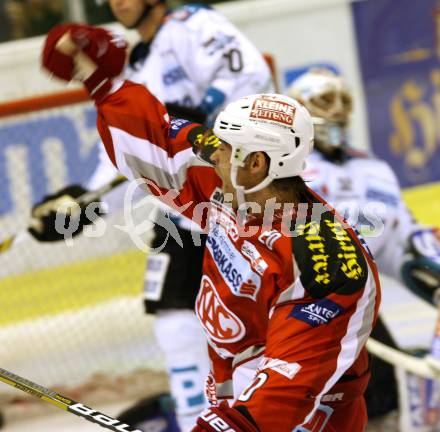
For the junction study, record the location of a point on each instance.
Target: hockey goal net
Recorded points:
(71, 317)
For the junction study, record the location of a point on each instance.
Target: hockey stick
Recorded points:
(64, 403)
(425, 367)
(86, 198)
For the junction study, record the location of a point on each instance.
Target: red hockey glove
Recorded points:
(85, 53)
(223, 418)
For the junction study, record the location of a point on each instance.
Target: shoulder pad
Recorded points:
(328, 257)
(382, 169)
(187, 11)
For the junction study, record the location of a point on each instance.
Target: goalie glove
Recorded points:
(85, 53)
(64, 203)
(421, 268)
(223, 418)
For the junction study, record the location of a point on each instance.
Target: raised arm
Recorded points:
(139, 137)
(142, 142)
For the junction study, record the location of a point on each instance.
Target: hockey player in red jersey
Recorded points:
(192, 87)
(289, 293)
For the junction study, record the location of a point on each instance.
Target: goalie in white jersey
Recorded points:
(195, 61)
(366, 192)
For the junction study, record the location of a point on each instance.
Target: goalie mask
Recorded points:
(329, 101)
(274, 124)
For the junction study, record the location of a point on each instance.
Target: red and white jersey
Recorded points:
(367, 193)
(300, 295)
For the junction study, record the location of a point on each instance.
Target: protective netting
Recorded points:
(68, 314)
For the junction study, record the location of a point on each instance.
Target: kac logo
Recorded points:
(221, 324)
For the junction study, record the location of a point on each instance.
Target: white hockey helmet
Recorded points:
(328, 100)
(271, 123)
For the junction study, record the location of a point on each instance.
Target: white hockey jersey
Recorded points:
(367, 193)
(199, 59)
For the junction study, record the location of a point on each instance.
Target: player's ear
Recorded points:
(258, 164)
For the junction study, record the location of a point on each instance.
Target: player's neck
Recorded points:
(272, 197)
(148, 28)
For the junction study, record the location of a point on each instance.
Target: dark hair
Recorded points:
(295, 184)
